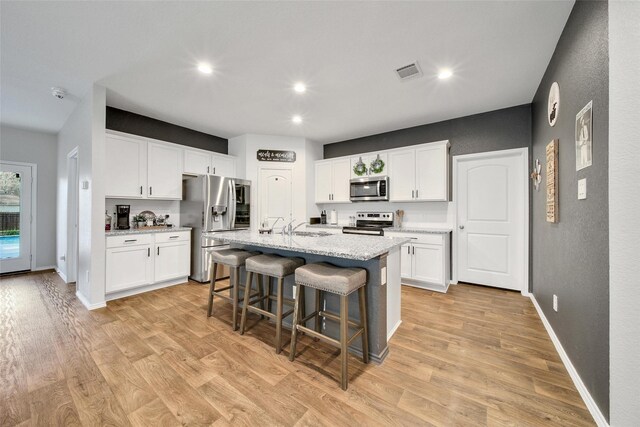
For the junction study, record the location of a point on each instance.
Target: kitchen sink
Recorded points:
(311, 233)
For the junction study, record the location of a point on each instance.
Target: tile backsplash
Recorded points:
(158, 207)
(420, 214)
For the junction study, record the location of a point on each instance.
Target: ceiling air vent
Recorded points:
(410, 71)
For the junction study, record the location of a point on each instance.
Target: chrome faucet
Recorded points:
(276, 221)
(287, 228)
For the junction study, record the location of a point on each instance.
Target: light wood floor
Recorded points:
(475, 356)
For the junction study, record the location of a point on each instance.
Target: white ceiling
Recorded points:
(145, 54)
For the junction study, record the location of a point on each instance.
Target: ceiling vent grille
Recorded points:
(410, 71)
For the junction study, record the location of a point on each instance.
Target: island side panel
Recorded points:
(375, 292)
(394, 292)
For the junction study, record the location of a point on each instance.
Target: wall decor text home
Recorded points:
(276, 156)
(552, 181)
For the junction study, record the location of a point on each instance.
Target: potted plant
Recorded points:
(139, 220)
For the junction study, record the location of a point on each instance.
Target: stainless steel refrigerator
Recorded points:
(212, 204)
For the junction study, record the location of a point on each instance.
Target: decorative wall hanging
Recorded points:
(276, 156)
(536, 177)
(553, 106)
(552, 181)
(360, 168)
(377, 166)
(584, 140)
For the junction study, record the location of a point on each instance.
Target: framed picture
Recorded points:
(584, 137)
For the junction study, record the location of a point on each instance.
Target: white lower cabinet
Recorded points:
(425, 262)
(172, 260)
(138, 260)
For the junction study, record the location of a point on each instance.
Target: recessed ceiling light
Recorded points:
(445, 74)
(205, 68)
(299, 87)
(296, 119)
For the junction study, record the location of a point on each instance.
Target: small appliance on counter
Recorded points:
(314, 220)
(122, 217)
(370, 223)
(323, 217)
(107, 221)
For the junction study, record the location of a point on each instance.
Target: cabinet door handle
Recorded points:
(409, 250)
(158, 250)
(207, 169)
(141, 190)
(173, 237)
(214, 170)
(413, 252)
(148, 252)
(131, 240)
(150, 190)
(413, 192)
(416, 194)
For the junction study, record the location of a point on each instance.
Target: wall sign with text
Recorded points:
(276, 156)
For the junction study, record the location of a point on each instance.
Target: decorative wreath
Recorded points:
(377, 166)
(360, 168)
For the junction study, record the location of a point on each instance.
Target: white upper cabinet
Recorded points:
(402, 175)
(340, 182)
(141, 168)
(420, 174)
(164, 178)
(126, 167)
(324, 180)
(223, 166)
(197, 162)
(432, 172)
(332, 181)
(380, 167)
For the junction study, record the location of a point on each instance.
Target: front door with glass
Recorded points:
(15, 217)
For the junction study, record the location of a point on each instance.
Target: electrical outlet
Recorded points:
(582, 189)
(555, 302)
(87, 276)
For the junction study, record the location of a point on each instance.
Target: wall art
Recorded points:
(553, 105)
(552, 181)
(584, 137)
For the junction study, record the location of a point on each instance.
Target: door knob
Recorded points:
(461, 227)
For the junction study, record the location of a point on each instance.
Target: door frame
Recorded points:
(71, 252)
(34, 207)
(523, 153)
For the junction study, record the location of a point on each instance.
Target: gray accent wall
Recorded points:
(491, 131)
(136, 124)
(571, 258)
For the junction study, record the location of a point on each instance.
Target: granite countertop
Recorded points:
(347, 246)
(426, 230)
(145, 230)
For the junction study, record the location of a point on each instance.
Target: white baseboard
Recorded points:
(45, 267)
(577, 381)
(62, 276)
(393, 330)
(87, 304)
(147, 288)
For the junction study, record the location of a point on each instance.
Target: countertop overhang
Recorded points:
(348, 246)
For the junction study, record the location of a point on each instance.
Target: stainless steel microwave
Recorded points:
(368, 189)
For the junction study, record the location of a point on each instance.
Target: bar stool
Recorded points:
(234, 259)
(271, 266)
(324, 277)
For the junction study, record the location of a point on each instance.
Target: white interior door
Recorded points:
(15, 217)
(276, 198)
(73, 186)
(491, 198)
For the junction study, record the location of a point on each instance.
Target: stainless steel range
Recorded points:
(370, 223)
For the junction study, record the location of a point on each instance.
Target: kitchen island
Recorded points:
(379, 255)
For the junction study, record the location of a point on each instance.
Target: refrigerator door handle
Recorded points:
(232, 203)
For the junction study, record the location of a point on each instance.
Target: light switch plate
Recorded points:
(582, 189)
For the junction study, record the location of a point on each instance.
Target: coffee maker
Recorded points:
(122, 217)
